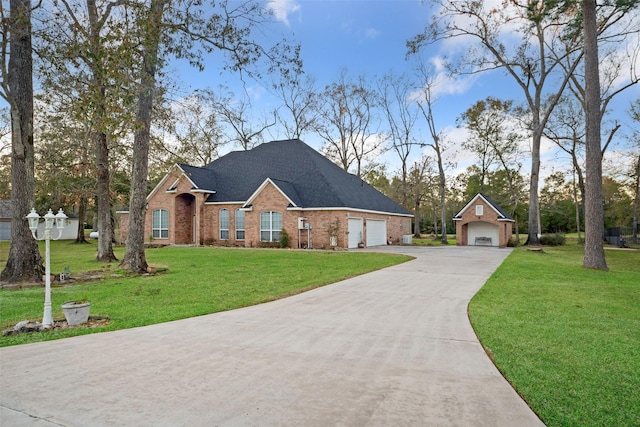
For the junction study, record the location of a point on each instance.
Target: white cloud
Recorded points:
(371, 33)
(282, 9)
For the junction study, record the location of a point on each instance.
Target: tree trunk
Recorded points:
(594, 216)
(416, 217)
(24, 262)
(105, 230)
(82, 215)
(134, 258)
(443, 207)
(636, 202)
(533, 237)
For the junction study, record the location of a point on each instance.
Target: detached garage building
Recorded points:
(481, 222)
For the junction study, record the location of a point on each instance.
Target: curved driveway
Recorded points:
(389, 348)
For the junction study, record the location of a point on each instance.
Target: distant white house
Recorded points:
(70, 232)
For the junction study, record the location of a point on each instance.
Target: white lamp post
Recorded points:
(58, 220)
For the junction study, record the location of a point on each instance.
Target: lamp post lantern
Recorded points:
(58, 220)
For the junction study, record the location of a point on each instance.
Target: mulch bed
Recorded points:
(26, 327)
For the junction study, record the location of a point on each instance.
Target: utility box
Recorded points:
(407, 239)
(301, 224)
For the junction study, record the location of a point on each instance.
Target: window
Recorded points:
(239, 224)
(479, 209)
(160, 224)
(270, 226)
(224, 224)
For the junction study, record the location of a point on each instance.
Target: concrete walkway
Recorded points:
(390, 348)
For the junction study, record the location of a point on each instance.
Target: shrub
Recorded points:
(284, 238)
(556, 239)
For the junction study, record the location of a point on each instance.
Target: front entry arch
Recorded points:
(184, 218)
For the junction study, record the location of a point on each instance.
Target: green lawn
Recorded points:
(200, 280)
(567, 338)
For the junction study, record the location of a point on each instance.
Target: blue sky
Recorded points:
(369, 37)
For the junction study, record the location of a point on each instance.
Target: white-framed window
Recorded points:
(239, 224)
(479, 210)
(224, 224)
(160, 224)
(270, 226)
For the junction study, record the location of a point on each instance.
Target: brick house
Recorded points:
(246, 198)
(483, 222)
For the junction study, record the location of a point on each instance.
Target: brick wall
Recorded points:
(489, 215)
(184, 205)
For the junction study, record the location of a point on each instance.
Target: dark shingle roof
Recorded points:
(308, 178)
(503, 215)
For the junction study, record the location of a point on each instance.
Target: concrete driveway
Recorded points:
(390, 348)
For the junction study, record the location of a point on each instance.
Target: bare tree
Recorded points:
(24, 261)
(194, 124)
(396, 101)
(245, 131)
(418, 182)
(425, 103)
(346, 122)
(635, 116)
(531, 61)
(300, 103)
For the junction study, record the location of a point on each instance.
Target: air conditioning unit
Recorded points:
(407, 239)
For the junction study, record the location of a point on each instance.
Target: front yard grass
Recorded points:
(567, 338)
(200, 280)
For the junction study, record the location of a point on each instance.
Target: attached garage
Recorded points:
(355, 232)
(376, 232)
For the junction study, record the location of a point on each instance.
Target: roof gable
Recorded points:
(303, 175)
(502, 214)
(278, 186)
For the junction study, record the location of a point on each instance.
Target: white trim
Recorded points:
(344, 208)
(262, 187)
(164, 179)
(500, 216)
(197, 190)
(241, 203)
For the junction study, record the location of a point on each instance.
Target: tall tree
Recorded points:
(180, 30)
(24, 261)
(346, 122)
(635, 116)
(494, 140)
(531, 58)
(425, 104)
(397, 105)
(244, 130)
(90, 42)
(300, 105)
(198, 134)
(134, 258)
(594, 215)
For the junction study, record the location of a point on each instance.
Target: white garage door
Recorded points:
(483, 229)
(355, 232)
(376, 232)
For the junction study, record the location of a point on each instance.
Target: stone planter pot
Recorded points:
(76, 312)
